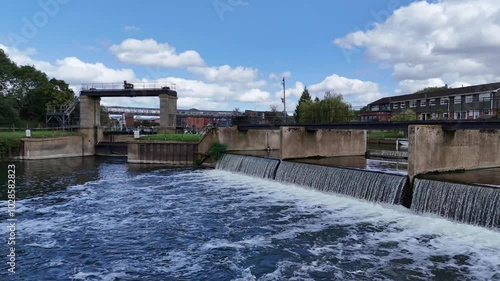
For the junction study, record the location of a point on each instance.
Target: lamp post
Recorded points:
(284, 100)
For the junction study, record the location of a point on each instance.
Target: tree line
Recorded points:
(25, 93)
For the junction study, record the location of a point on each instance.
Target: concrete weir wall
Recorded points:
(432, 149)
(297, 142)
(251, 140)
(49, 148)
(156, 152)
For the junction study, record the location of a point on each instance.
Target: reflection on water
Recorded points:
(385, 146)
(260, 153)
(38, 177)
(360, 162)
(483, 176)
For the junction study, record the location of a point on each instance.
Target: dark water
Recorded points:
(102, 219)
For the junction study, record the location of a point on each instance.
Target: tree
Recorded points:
(304, 98)
(275, 115)
(332, 108)
(26, 91)
(432, 89)
(407, 115)
(9, 115)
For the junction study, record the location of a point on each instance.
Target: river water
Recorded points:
(103, 219)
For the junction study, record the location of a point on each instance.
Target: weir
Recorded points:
(253, 166)
(371, 186)
(472, 204)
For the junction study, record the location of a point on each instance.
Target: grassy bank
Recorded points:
(11, 140)
(173, 137)
(37, 134)
(385, 135)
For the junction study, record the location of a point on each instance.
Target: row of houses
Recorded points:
(473, 102)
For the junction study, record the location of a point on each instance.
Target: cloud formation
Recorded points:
(151, 53)
(448, 41)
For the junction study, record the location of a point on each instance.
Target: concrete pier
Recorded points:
(297, 142)
(168, 113)
(432, 149)
(293, 142)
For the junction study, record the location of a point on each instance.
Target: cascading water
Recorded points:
(479, 205)
(371, 186)
(249, 165)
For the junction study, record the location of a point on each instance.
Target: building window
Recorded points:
(413, 103)
(395, 106)
(375, 108)
(432, 102)
(423, 103)
(446, 115)
(403, 104)
(468, 99)
(485, 97)
(445, 101)
(457, 100)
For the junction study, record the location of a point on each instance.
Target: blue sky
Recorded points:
(223, 54)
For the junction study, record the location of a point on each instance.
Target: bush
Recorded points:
(8, 145)
(216, 150)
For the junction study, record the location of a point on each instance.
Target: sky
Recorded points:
(226, 54)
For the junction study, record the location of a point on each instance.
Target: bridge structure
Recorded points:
(145, 111)
(90, 103)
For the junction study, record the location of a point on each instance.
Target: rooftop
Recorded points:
(484, 88)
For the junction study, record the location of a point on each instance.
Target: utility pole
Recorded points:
(284, 100)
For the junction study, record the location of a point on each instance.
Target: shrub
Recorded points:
(216, 150)
(8, 145)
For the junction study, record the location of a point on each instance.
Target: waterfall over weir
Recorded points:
(478, 205)
(371, 186)
(249, 165)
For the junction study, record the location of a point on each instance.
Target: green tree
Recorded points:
(304, 98)
(26, 92)
(332, 108)
(432, 89)
(9, 115)
(407, 115)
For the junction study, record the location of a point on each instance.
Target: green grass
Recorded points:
(384, 135)
(37, 134)
(173, 137)
(10, 140)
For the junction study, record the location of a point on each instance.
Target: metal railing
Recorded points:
(123, 85)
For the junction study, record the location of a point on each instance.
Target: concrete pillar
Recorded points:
(432, 149)
(168, 113)
(90, 112)
(90, 122)
(297, 142)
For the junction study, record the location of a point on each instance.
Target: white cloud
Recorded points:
(450, 40)
(71, 69)
(150, 52)
(226, 73)
(255, 95)
(130, 28)
(411, 86)
(355, 91)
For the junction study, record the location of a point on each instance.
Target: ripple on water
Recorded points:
(213, 225)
